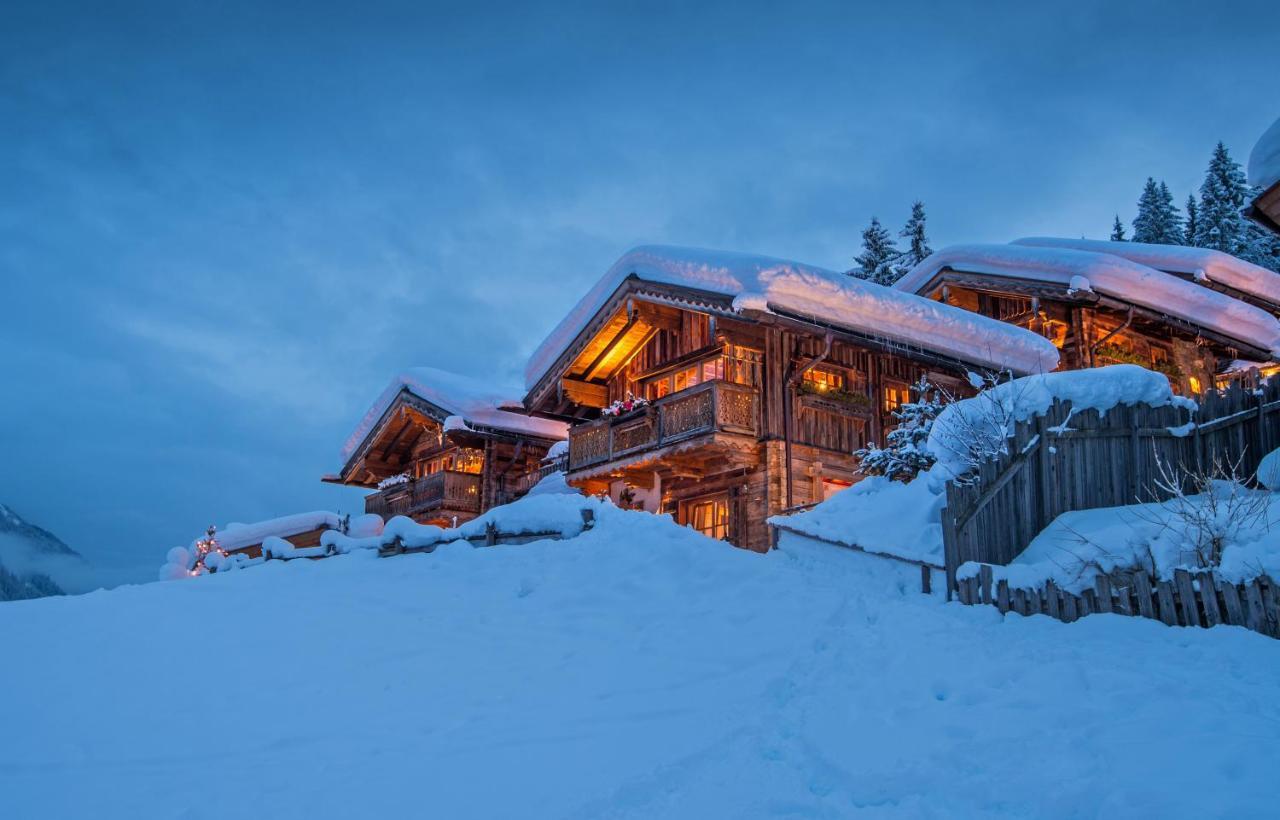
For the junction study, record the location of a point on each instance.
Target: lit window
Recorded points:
(895, 395)
(710, 517)
(1195, 385)
(824, 380)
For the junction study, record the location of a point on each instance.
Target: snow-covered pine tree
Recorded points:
(1158, 221)
(917, 242)
(1117, 230)
(1189, 228)
(1170, 220)
(1146, 225)
(906, 453)
(1219, 223)
(1261, 247)
(879, 252)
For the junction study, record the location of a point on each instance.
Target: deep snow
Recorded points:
(639, 670)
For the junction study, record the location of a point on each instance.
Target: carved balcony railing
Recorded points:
(457, 492)
(709, 407)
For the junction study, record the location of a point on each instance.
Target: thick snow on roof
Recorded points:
(1199, 263)
(474, 402)
(762, 282)
(1109, 275)
(1264, 162)
(237, 536)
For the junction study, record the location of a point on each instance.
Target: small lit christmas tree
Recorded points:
(907, 452)
(209, 553)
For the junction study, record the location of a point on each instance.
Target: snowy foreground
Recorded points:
(638, 670)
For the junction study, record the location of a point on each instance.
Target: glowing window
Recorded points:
(709, 516)
(824, 380)
(895, 395)
(1196, 387)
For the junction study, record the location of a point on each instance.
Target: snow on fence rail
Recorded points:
(1066, 460)
(490, 537)
(1189, 599)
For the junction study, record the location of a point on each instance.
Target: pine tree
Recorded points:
(1117, 230)
(1158, 221)
(879, 252)
(1146, 225)
(1170, 220)
(907, 453)
(1219, 223)
(1189, 230)
(917, 242)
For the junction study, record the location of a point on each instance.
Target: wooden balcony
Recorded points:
(444, 491)
(716, 406)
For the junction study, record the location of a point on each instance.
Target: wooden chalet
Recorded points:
(757, 379)
(1101, 308)
(1264, 173)
(442, 448)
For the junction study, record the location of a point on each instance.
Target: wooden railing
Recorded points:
(706, 408)
(439, 491)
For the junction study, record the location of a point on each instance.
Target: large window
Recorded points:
(895, 395)
(462, 460)
(736, 364)
(824, 380)
(709, 516)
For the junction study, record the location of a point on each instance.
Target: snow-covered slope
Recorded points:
(637, 671)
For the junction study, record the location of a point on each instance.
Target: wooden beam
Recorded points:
(586, 393)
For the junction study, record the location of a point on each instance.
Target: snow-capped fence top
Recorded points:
(467, 402)
(1112, 276)
(1065, 458)
(766, 283)
(1202, 264)
(1264, 160)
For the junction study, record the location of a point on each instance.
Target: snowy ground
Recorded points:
(636, 671)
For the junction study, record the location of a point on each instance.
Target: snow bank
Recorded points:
(1112, 276)
(553, 484)
(1197, 263)
(475, 402)
(1269, 471)
(1264, 160)
(558, 450)
(638, 671)
(765, 283)
(548, 512)
(976, 426)
(881, 516)
(1078, 545)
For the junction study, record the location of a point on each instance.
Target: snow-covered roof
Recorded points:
(1109, 275)
(1264, 161)
(1198, 263)
(466, 401)
(238, 536)
(766, 283)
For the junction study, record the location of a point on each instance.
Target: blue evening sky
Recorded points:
(224, 227)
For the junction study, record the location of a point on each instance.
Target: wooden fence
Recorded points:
(926, 568)
(1200, 599)
(491, 537)
(1065, 461)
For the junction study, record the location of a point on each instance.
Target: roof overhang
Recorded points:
(1265, 210)
(1034, 288)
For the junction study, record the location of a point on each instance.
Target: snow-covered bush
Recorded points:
(1269, 471)
(1217, 512)
(907, 453)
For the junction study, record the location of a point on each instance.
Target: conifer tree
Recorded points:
(906, 453)
(917, 242)
(1189, 229)
(1170, 220)
(879, 252)
(1219, 224)
(1117, 230)
(1146, 224)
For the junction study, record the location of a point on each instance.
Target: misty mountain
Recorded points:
(26, 551)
